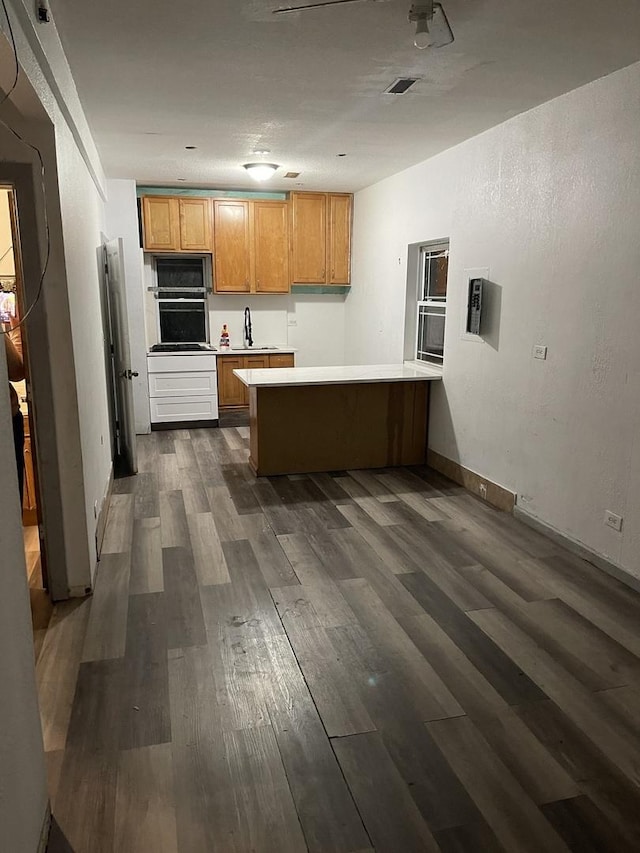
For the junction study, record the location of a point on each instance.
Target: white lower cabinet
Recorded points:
(182, 388)
(183, 409)
(182, 384)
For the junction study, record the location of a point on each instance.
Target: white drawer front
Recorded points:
(182, 384)
(180, 363)
(165, 409)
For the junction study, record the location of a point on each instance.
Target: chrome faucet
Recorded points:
(247, 340)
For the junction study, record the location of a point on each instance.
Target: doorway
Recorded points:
(118, 358)
(12, 312)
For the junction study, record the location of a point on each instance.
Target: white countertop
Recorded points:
(254, 350)
(230, 351)
(347, 375)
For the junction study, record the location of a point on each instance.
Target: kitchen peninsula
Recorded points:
(306, 419)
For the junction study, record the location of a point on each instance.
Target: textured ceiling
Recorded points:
(228, 77)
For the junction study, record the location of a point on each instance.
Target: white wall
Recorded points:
(122, 221)
(313, 324)
(23, 792)
(82, 211)
(550, 203)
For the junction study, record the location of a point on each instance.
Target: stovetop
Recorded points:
(182, 347)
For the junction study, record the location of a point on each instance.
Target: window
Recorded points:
(433, 268)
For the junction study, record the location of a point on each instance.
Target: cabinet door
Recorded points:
(285, 359)
(340, 207)
(309, 238)
(231, 246)
(161, 224)
(254, 362)
(195, 224)
(271, 246)
(231, 392)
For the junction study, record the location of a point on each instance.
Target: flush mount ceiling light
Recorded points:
(432, 26)
(261, 171)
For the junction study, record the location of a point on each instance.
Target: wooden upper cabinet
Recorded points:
(321, 238)
(259, 246)
(195, 224)
(271, 246)
(174, 224)
(232, 246)
(161, 224)
(309, 237)
(339, 239)
(251, 246)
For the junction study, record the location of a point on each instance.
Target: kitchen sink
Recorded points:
(260, 349)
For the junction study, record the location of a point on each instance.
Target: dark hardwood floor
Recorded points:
(372, 660)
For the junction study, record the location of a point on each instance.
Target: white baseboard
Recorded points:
(578, 548)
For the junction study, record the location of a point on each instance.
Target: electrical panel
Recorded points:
(474, 306)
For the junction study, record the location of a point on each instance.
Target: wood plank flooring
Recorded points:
(339, 663)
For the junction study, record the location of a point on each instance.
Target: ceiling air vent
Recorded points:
(292, 174)
(401, 85)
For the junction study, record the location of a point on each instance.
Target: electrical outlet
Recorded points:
(483, 490)
(291, 321)
(613, 520)
(540, 351)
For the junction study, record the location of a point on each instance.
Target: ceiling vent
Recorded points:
(292, 175)
(401, 85)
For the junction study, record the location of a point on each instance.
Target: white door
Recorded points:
(123, 374)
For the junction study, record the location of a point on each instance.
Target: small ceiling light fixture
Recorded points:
(261, 171)
(432, 26)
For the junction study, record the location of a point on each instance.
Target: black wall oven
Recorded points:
(181, 297)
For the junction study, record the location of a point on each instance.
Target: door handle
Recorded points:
(129, 374)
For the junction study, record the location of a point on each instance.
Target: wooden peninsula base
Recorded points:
(305, 428)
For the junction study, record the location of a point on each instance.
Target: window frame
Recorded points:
(432, 306)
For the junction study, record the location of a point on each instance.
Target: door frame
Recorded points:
(22, 303)
(43, 369)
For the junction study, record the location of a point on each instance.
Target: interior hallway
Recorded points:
(354, 662)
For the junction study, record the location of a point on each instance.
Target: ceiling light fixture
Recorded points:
(432, 26)
(261, 171)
